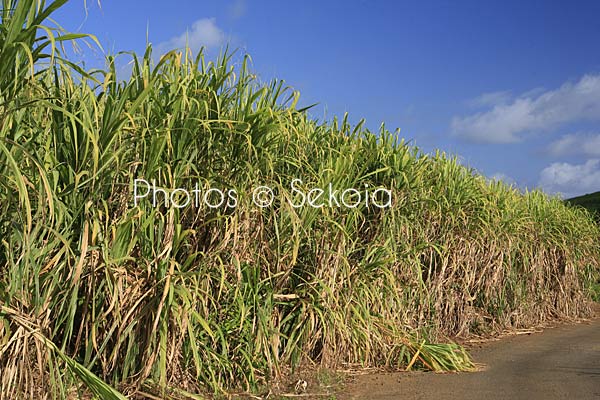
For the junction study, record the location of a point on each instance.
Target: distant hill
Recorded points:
(590, 201)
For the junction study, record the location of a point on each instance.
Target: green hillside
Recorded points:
(589, 201)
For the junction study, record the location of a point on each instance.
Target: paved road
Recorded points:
(559, 363)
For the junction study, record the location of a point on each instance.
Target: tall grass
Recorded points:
(188, 300)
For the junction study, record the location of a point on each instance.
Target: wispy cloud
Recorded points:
(571, 179)
(203, 33)
(490, 99)
(237, 9)
(586, 144)
(510, 121)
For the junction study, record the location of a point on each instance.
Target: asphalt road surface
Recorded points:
(558, 363)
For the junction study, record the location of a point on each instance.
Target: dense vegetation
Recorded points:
(98, 294)
(590, 201)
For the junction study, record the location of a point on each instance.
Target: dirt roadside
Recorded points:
(559, 363)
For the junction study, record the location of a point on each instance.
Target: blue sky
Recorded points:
(511, 87)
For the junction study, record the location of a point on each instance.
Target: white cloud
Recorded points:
(587, 144)
(501, 176)
(509, 122)
(571, 179)
(203, 33)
